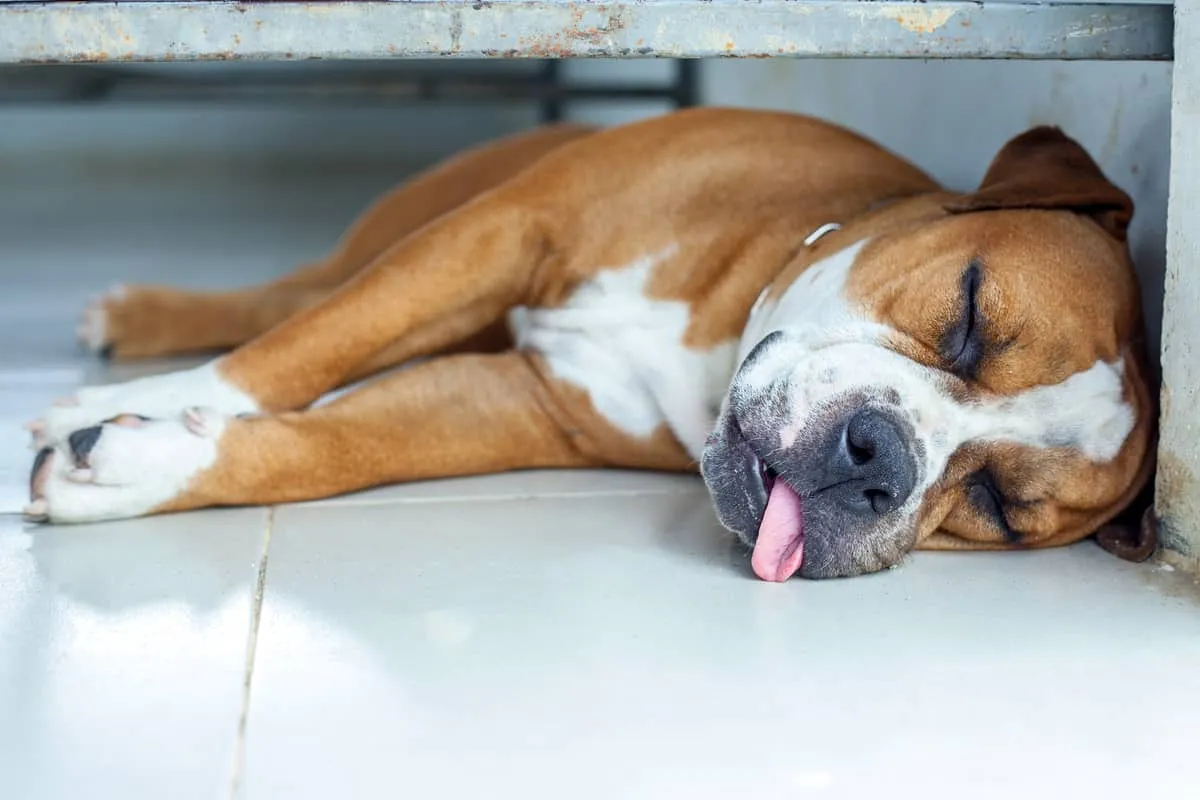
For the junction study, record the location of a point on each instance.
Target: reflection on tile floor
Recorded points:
(550, 635)
(122, 655)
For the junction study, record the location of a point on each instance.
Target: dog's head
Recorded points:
(957, 371)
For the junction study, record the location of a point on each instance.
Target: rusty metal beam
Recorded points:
(190, 31)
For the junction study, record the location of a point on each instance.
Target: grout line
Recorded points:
(349, 502)
(260, 585)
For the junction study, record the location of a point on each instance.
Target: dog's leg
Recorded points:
(133, 322)
(495, 338)
(455, 278)
(456, 415)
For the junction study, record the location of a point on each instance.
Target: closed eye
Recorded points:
(962, 344)
(986, 497)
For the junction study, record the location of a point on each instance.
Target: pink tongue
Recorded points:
(780, 546)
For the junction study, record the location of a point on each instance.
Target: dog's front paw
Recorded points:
(155, 397)
(128, 466)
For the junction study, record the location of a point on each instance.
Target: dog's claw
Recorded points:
(80, 475)
(194, 421)
(202, 422)
(37, 429)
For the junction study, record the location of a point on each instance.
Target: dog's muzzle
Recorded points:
(832, 503)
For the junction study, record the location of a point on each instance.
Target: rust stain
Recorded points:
(924, 20)
(582, 29)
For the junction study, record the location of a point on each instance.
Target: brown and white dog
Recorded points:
(859, 361)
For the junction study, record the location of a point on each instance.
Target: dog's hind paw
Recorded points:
(128, 466)
(93, 329)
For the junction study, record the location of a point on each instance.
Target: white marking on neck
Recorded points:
(809, 241)
(626, 351)
(812, 307)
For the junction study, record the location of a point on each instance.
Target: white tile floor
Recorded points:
(548, 635)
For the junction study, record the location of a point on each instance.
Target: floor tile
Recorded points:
(122, 655)
(601, 647)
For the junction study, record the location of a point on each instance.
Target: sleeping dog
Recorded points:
(858, 361)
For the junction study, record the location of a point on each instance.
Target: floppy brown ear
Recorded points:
(1133, 534)
(1045, 168)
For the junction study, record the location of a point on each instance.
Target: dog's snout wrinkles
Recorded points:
(870, 470)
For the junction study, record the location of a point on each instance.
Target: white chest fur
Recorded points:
(626, 351)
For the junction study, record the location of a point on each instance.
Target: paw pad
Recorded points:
(81, 443)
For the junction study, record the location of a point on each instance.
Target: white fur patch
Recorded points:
(154, 396)
(813, 308)
(133, 470)
(829, 349)
(626, 351)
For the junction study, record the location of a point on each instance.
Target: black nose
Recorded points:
(871, 469)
